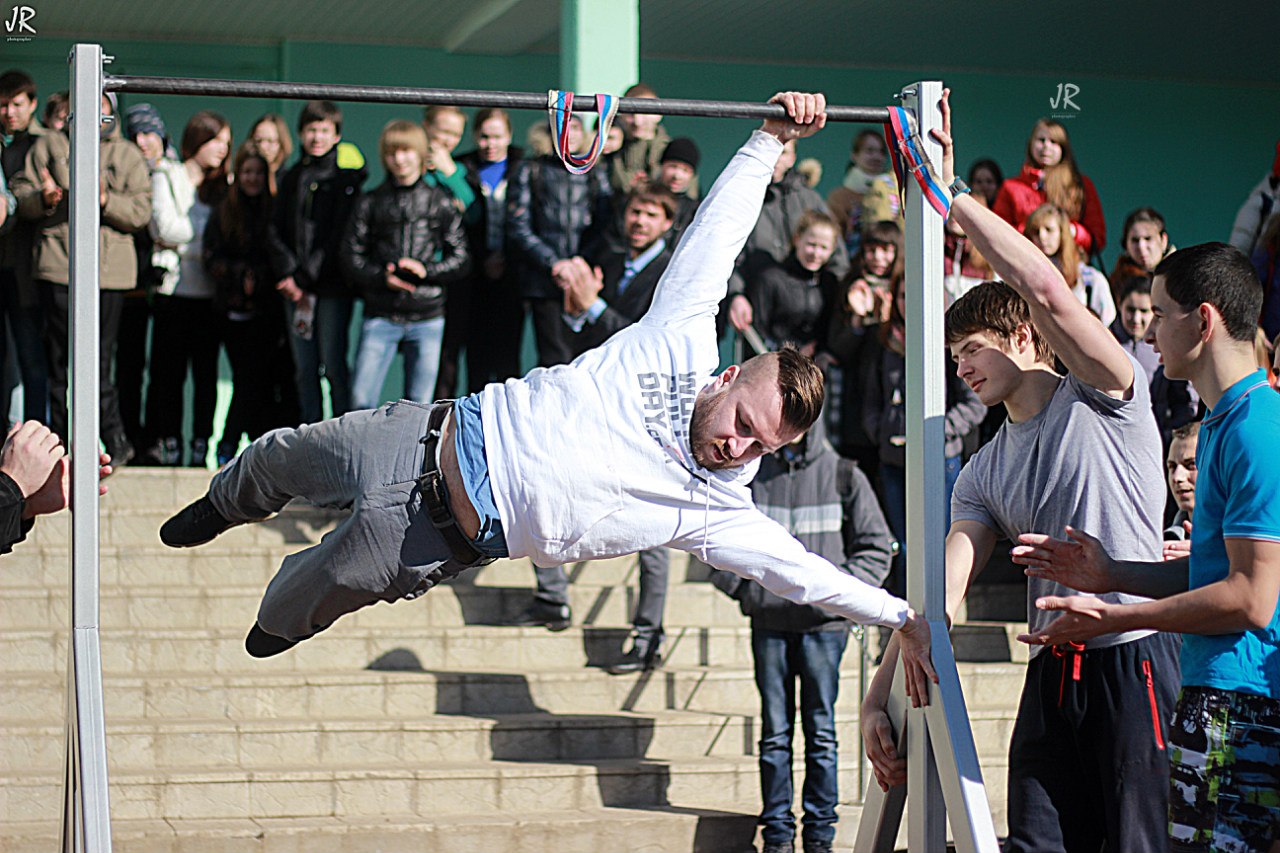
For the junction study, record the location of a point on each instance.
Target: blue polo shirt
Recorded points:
(1237, 497)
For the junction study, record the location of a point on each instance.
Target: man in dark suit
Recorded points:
(599, 301)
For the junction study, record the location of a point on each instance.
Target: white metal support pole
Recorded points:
(87, 822)
(943, 775)
(926, 409)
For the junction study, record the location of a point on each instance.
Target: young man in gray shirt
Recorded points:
(1087, 759)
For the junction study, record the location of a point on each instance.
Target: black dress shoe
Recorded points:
(553, 617)
(637, 660)
(260, 644)
(195, 525)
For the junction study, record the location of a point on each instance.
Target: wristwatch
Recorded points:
(958, 188)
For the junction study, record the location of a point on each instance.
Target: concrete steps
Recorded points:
(653, 829)
(420, 726)
(670, 736)
(368, 790)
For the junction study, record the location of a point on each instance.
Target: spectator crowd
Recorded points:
(263, 247)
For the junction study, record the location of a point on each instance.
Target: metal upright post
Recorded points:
(926, 579)
(942, 761)
(86, 819)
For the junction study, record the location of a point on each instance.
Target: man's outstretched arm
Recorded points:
(1081, 563)
(1089, 351)
(749, 544)
(1245, 600)
(697, 278)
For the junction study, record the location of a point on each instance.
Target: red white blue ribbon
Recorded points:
(559, 110)
(907, 152)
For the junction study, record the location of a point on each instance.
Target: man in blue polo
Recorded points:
(1225, 739)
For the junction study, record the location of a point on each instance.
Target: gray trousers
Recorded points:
(553, 588)
(366, 461)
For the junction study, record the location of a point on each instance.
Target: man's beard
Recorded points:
(700, 441)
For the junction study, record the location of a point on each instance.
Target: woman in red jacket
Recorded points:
(1050, 175)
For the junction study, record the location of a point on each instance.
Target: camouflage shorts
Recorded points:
(1224, 784)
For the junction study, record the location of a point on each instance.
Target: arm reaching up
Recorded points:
(697, 279)
(1085, 346)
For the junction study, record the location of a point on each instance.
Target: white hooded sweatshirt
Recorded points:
(592, 459)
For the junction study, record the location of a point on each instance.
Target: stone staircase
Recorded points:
(424, 726)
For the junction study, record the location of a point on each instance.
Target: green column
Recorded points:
(599, 45)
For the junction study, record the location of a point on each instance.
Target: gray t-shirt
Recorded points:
(1086, 460)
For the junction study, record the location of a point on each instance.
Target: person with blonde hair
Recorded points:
(404, 243)
(1049, 228)
(1050, 175)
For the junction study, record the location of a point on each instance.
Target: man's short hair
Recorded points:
(315, 111)
(430, 114)
(492, 112)
(400, 133)
(995, 308)
(15, 82)
(655, 194)
(800, 384)
(640, 90)
(1220, 275)
(1139, 284)
(1188, 430)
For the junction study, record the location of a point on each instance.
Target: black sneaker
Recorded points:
(260, 644)
(637, 659)
(779, 847)
(817, 847)
(553, 617)
(195, 525)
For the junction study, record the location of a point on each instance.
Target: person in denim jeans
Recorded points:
(315, 199)
(827, 503)
(403, 244)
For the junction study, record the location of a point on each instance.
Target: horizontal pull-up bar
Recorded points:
(460, 98)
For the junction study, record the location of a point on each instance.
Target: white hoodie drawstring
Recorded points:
(706, 517)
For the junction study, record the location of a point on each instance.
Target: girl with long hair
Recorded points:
(1050, 176)
(250, 311)
(1049, 228)
(184, 329)
(270, 136)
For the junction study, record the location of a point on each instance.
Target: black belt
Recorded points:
(435, 494)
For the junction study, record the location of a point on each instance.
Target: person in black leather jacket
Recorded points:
(403, 245)
(554, 216)
(313, 204)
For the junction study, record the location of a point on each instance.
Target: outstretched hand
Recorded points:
(807, 115)
(1079, 561)
(1083, 618)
